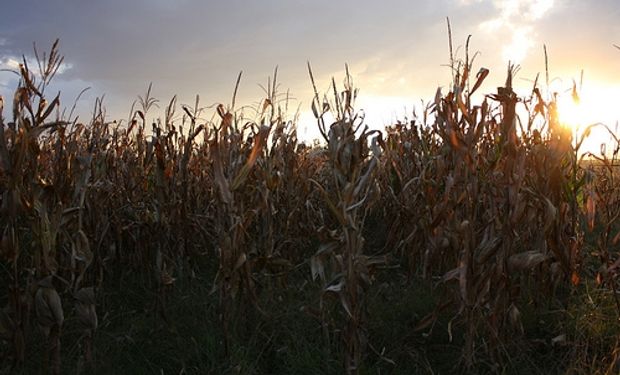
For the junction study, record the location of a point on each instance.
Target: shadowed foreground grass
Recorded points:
(133, 339)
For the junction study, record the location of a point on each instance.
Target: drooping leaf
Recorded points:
(259, 142)
(480, 76)
(526, 261)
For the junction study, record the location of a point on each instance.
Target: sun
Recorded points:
(572, 111)
(592, 105)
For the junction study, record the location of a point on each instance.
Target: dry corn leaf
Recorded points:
(463, 281)
(316, 268)
(559, 340)
(240, 262)
(81, 248)
(86, 296)
(315, 111)
(526, 260)
(590, 210)
(425, 322)
(346, 305)
(335, 287)
(551, 213)
(337, 213)
(50, 108)
(259, 142)
(48, 306)
(463, 109)
(480, 76)
(452, 275)
(614, 266)
(85, 308)
(515, 316)
(218, 172)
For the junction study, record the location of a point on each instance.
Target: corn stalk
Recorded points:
(348, 198)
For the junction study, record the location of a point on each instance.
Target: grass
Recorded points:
(132, 339)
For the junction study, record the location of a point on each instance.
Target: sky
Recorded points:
(397, 50)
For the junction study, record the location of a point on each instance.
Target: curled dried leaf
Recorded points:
(86, 296)
(452, 274)
(259, 142)
(240, 261)
(48, 307)
(551, 213)
(526, 260)
(482, 74)
(316, 268)
(81, 248)
(85, 308)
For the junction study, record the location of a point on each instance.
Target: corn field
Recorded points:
(495, 215)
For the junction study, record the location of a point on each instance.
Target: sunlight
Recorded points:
(379, 111)
(596, 104)
(573, 112)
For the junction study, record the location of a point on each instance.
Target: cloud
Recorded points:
(469, 2)
(9, 63)
(537, 9)
(519, 45)
(70, 87)
(516, 20)
(528, 10)
(7, 78)
(190, 47)
(12, 63)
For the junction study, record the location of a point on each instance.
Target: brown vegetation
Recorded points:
(492, 210)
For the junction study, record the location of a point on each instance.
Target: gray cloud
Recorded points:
(190, 47)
